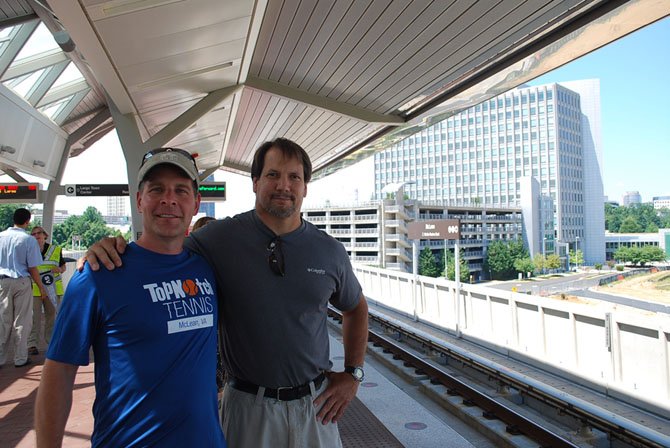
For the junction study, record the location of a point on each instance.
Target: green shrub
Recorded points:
(619, 267)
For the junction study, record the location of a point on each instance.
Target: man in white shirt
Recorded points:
(19, 258)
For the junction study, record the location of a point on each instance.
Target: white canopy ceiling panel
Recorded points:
(335, 75)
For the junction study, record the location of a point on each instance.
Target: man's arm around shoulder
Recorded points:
(107, 252)
(54, 400)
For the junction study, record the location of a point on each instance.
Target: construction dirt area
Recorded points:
(651, 287)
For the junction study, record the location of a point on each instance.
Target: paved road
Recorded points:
(578, 284)
(535, 285)
(637, 303)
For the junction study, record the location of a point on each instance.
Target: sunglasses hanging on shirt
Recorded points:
(276, 257)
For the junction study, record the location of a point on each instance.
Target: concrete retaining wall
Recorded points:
(621, 351)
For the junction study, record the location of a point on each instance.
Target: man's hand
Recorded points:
(342, 388)
(106, 251)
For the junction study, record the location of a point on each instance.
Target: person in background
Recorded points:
(19, 258)
(201, 222)
(50, 274)
(277, 274)
(152, 327)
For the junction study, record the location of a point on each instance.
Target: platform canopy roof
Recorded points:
(341, 77)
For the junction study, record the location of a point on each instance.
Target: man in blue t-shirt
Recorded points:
(152, 327)
(277, 274)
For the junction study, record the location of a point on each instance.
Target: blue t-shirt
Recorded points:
(152, 325)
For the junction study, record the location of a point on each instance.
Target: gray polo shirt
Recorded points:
(274, 327)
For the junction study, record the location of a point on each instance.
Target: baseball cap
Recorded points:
(174, 156)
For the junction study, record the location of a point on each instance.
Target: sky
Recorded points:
(634, 75)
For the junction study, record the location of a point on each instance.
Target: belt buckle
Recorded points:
(279, 390)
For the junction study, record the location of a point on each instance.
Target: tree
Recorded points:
(651, 253)
(664, 218)
(7, 214)
(524, 265)
(635, 218)
(464, 273)
(500, 258)
(651, 228)
(640, 255)
(577, 257)
(630, 225)
(613, 217)
(540, 262)
(427, 263)
(90, 226)
(554, 261)
(623, 254)
(647, 217)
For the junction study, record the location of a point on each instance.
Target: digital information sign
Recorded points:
(210, 191)
(213, 191)
(97, 190)
(20, 192)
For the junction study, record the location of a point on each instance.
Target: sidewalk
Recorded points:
(18, 390)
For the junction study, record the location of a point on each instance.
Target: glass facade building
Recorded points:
(480, 156)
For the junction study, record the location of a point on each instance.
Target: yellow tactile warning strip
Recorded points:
(360, 428)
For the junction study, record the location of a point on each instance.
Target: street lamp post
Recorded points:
(544, 253)
(577, 261)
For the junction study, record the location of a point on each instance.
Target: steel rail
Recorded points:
(591, 415)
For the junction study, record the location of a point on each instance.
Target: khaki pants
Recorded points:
(46, 308)
(253, 421)
(16, 300)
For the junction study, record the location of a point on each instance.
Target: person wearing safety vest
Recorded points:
(50, 273)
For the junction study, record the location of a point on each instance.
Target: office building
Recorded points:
(479, 157)
(376, 233)
(659, 239)
(631, 197)
(207, 208)
(661, 202)
(118, 205)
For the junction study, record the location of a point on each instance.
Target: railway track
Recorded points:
(578, 424)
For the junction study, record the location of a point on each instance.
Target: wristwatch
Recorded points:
(355, 371)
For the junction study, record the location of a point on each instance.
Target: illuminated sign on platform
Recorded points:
(97, 190)
(21, 192)
(210, 191)
(213, 191)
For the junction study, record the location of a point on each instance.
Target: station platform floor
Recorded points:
(383, 415)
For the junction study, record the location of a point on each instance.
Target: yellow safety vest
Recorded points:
(51, 258)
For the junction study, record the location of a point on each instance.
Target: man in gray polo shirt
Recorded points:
(276, 275)
(19, 258)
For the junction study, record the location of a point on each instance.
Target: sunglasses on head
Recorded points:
(157, 151)
(276, 257)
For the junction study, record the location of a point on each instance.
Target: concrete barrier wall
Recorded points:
(71, 266)
(619, 350)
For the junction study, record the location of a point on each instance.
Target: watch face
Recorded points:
(356, 372)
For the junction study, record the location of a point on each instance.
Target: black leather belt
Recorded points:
(2, 277)
(282, 393)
